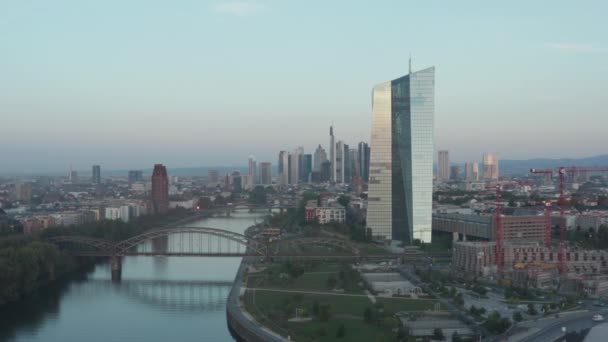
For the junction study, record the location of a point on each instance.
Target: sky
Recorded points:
(127, 84)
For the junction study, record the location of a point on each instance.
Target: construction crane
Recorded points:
(561, 172)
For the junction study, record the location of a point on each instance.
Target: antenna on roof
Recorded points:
(410, 62)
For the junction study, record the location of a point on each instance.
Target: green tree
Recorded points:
(532, 310)
(368, 315)
(341, 331)
(258, 195)
(324, 312)
(315, 308)
(517, 316)
(438, 334)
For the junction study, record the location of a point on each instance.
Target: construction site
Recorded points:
(521, 251)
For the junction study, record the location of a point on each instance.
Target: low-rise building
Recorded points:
(333, 212)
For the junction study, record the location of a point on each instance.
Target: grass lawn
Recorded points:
(354, 331)
(395, 304)
(314, 279)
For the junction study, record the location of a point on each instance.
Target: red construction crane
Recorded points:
(562, 171)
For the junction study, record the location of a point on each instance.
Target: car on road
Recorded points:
(597, 318)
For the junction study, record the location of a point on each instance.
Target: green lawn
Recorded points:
(354, 331)
(395, 304)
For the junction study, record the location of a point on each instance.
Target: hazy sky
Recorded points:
(197, 83)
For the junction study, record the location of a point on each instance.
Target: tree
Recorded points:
(438, 334)
(341, 331)
(315, 308)
(324, 312)
(332, 281)
(532, 310)
(455, 337)
(258, 195)
(368, 315)
(403, 332)
(517, 316)
(344, 200)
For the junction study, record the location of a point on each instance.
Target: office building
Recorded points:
(23, 192)
(213, 176)
(454, 172)
(332, 154)
(73, 176)
(363, 160)
(325, 171)
(490, 166)
(253, 168)
(96, 178)
(265, 173)
(339, 164)
(471, 171)
(160, 189)
(401, 161)
(443, 166)
(319, 158)
(305, 167)
(136, 176)
(283, 168)
(236, 181)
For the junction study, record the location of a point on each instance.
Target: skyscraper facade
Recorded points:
(305, 167)
(96, 178)
(253, 169)
(443, 166)
(283, 168)
(135, 176)
(213, 176)
(265, 173)
(160, 189)
(454, 172)
(490, 166)
(339, 162)
(319, 158)
(471, 171)
(363, 160)
(401, 161)
(332, 154)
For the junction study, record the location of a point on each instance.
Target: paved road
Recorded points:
(553, 330)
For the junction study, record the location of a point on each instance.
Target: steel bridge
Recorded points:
(212, 242)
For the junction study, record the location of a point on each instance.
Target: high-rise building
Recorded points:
(319, 158)
(283, 168)
(332, 154)
(443, 166)
(325, 171)
(305, 167)
(490, 166)
(236, 181)
(471, 171)
(160, 189)
(340, 154)
(213, 176)
(265, 173)
(454, 172)
(401, 165)
(293, 168)
(136, 176)
(73, 176)
(363, 161)
(253, 169)
(348, 169)
(96, 178)
(23, 192)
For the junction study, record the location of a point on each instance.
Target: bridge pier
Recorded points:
(116, 267)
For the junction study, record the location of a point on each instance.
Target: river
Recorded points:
(158, 299)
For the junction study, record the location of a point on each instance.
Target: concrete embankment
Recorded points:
(243, 326)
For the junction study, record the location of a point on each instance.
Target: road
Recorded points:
(551, 329)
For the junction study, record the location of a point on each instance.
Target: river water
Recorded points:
(158, 299)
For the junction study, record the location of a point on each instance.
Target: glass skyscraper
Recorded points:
(400, 193)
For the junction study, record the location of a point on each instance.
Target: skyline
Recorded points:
(65, 91)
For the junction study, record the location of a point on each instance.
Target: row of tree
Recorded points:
(27, 264)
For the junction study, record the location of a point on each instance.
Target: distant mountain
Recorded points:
(520, 167)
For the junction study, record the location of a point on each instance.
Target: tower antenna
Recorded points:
(410, 62)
